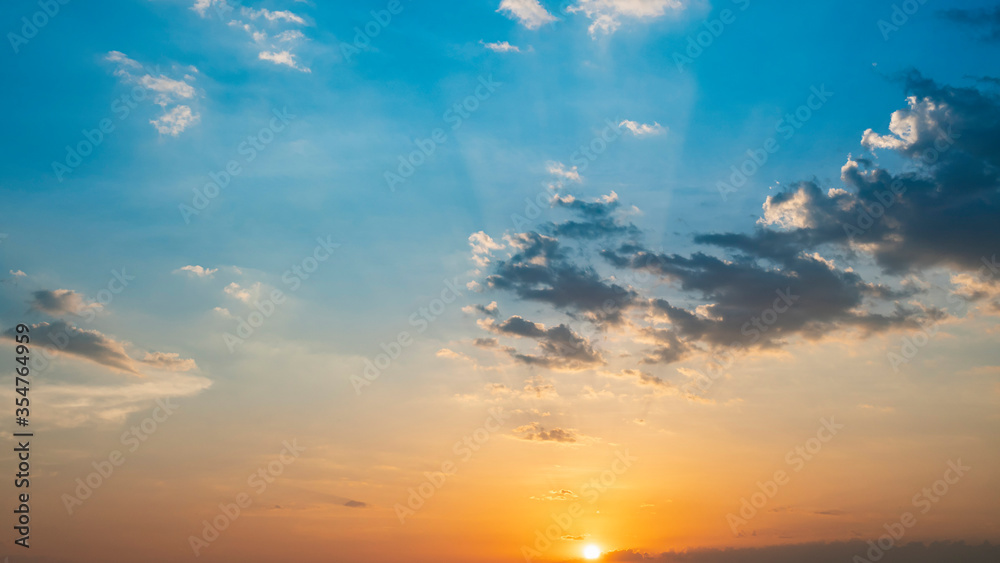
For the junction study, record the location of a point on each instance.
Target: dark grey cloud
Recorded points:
(87, 344)
(749, 303)
(597, 219)
(790, 275)
(58, 302)
(838, 552)
(560, 348)
(543, 271)
(355, 504)
(986, 21)
(939, 211)
(96, 347)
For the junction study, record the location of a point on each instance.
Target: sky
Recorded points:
(501, 280)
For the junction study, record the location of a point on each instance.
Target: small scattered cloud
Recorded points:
(501, 47)
(535, 432)
(643, 129)
(171, 94)
(282, 58)
(197, 271)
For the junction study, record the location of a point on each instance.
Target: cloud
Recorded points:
(197, 271)
(168, 93)
(272, 41)
(60, 302)
(643, 129)
(201, 6)
(95, 347)
(561, 348)
(789, 277)
(535, 432)
(282, 58)
(175, 121)
(489, 310)
(276, 16)
(559, 169)
(355, 504)
(244, 294)
(168, 361)
(819, 553)
(501, 47)
(482, 248)
(643, 378)
(563, 494)
(606, 15)
(528, 13)
(984, 20)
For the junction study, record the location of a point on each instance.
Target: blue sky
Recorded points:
(213, 74)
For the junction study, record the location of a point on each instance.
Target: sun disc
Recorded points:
(591, 552)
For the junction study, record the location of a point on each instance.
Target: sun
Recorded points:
(591, 552)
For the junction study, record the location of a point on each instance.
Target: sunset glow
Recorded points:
(500, 281)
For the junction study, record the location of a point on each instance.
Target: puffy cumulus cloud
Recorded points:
(482, 248)
(529, 13)
(172, 94)
(643, 129)
(787, 278)
(535, 432)
(60, 302)
(819, 553)
(91, 345)
(939, 210)
(607, 15)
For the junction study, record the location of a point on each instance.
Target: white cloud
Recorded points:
(559, 169)
(197, 271)
(18, 274)
(643, 129)
(275, 45)
(282, 58)
(529, 13)
(243, 294)
(281, 15)
(175, 121)
(202, 6)
(908, 127)
(501, 47)
(482, 248)
(168, 92)
(607, 14)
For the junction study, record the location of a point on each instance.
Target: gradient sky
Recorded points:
(552, 282)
